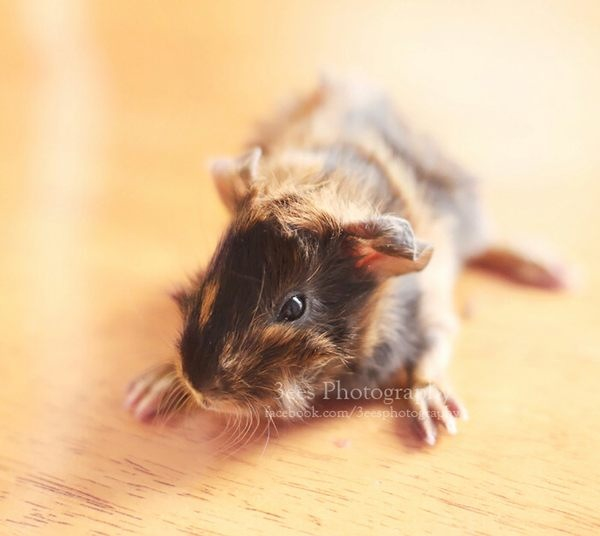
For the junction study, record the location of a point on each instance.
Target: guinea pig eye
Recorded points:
(293, 308)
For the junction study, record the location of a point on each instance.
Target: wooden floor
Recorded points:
(108, 113)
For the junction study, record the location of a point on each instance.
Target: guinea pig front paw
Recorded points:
(432, 406)
(155, 392)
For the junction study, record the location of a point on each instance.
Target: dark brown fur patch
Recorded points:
(258, 264)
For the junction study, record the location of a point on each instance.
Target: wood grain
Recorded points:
(108, 112)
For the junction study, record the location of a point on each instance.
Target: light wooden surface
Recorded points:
(108, 112)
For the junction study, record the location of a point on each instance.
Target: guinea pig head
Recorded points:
(280, 310)
(285, 300)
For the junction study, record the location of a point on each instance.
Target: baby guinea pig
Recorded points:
(347, 234)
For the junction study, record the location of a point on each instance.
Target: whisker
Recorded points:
(176, 399)
(165, 401)
(250, 430)
(273, 423)
(228, 424)
(236, 432)
(268, 430)
(249, 416)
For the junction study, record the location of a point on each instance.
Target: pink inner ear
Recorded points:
(368, 259)
(380, 264)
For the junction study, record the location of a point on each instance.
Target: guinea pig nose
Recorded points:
(198, 397)
(200, 380)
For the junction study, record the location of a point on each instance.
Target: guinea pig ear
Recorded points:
(386, 246)
(182, 299)
(233, 176)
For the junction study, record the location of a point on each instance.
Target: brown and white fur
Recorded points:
(338, 202)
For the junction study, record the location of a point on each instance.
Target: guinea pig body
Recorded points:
(351, 136)
(347, 234)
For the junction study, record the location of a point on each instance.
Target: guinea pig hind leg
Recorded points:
(524, 263)
(156, 392)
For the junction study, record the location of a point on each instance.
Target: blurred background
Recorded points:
(109, 112)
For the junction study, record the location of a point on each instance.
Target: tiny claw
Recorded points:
(146, 409)
(456, 408)
(430, 436)
(425, 432)
(134, 392)
(433, 407)
(430, 439)
(450, 425)
(145, 394)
